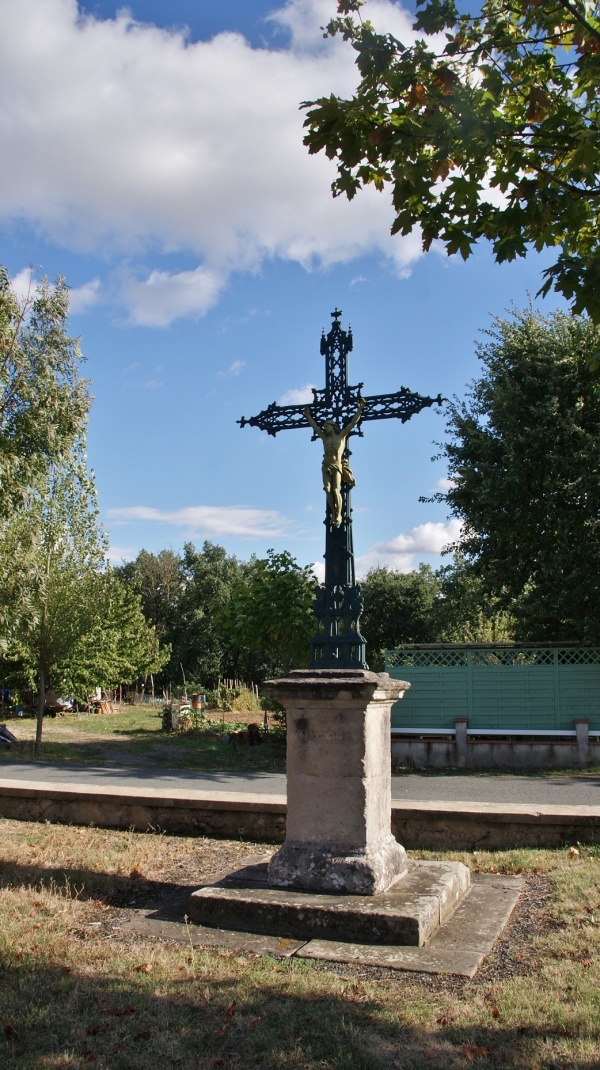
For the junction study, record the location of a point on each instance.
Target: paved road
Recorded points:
(548, 790)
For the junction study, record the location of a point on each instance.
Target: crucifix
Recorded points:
(336, 413)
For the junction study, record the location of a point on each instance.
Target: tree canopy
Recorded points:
(400, 607)
(269, 615)
(483, 126)
(523, 452)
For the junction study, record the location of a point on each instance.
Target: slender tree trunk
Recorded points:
(40, 711)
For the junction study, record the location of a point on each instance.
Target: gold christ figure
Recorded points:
(335, 468)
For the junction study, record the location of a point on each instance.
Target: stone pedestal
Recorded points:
(338, 835)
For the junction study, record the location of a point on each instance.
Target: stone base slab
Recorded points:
(316, 867)
(408, 913)
(457, 948)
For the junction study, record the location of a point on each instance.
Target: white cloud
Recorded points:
(318, 568)
(118, 554)
(303, 18)
(82, 298)
(404, 552)
(121, 137)
(234, 369)
(302, 395)
(444, 484)
(24, 284)
(209, 520)
(162, 297)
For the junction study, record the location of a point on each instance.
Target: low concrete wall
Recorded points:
(493, 754)
(225, 815)
(261, 818)
(463, 826)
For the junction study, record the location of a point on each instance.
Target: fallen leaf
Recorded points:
(495, 1012)
(472, 1052)
(144, 967)
(574, 853)
(444, 1020)
(231, 1010)
(9, 1032)
(143, 1036)
(136, 872)
(94, 1030)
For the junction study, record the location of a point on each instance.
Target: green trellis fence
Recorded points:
(541, 688)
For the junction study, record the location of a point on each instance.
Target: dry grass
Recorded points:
(77, 990)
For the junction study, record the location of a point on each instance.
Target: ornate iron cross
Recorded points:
(338, 643)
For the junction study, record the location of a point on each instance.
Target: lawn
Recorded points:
(134, 736)
(79, 989)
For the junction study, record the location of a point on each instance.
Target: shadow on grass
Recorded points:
(222, 1011)
(115, 889)
(201, 752)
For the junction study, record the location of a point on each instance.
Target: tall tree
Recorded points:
(523, 457)
(505, 99)
(74, 625)
(158, 580)
(53, 580)
(43, 399)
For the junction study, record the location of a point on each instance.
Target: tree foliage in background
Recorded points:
(505, 100)
(181, 596)
(118, 646)
(43, 399)
(269, 615)
(523, 456)
(465, 611)
(400, 607)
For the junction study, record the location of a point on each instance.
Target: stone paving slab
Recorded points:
(409, 912)
(458, 947)
(148, 924)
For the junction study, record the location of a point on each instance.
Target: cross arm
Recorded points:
(402, 404)
(277, 418)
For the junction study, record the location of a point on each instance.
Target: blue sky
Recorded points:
(153, 155)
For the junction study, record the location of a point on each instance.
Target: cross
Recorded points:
(338, 604)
